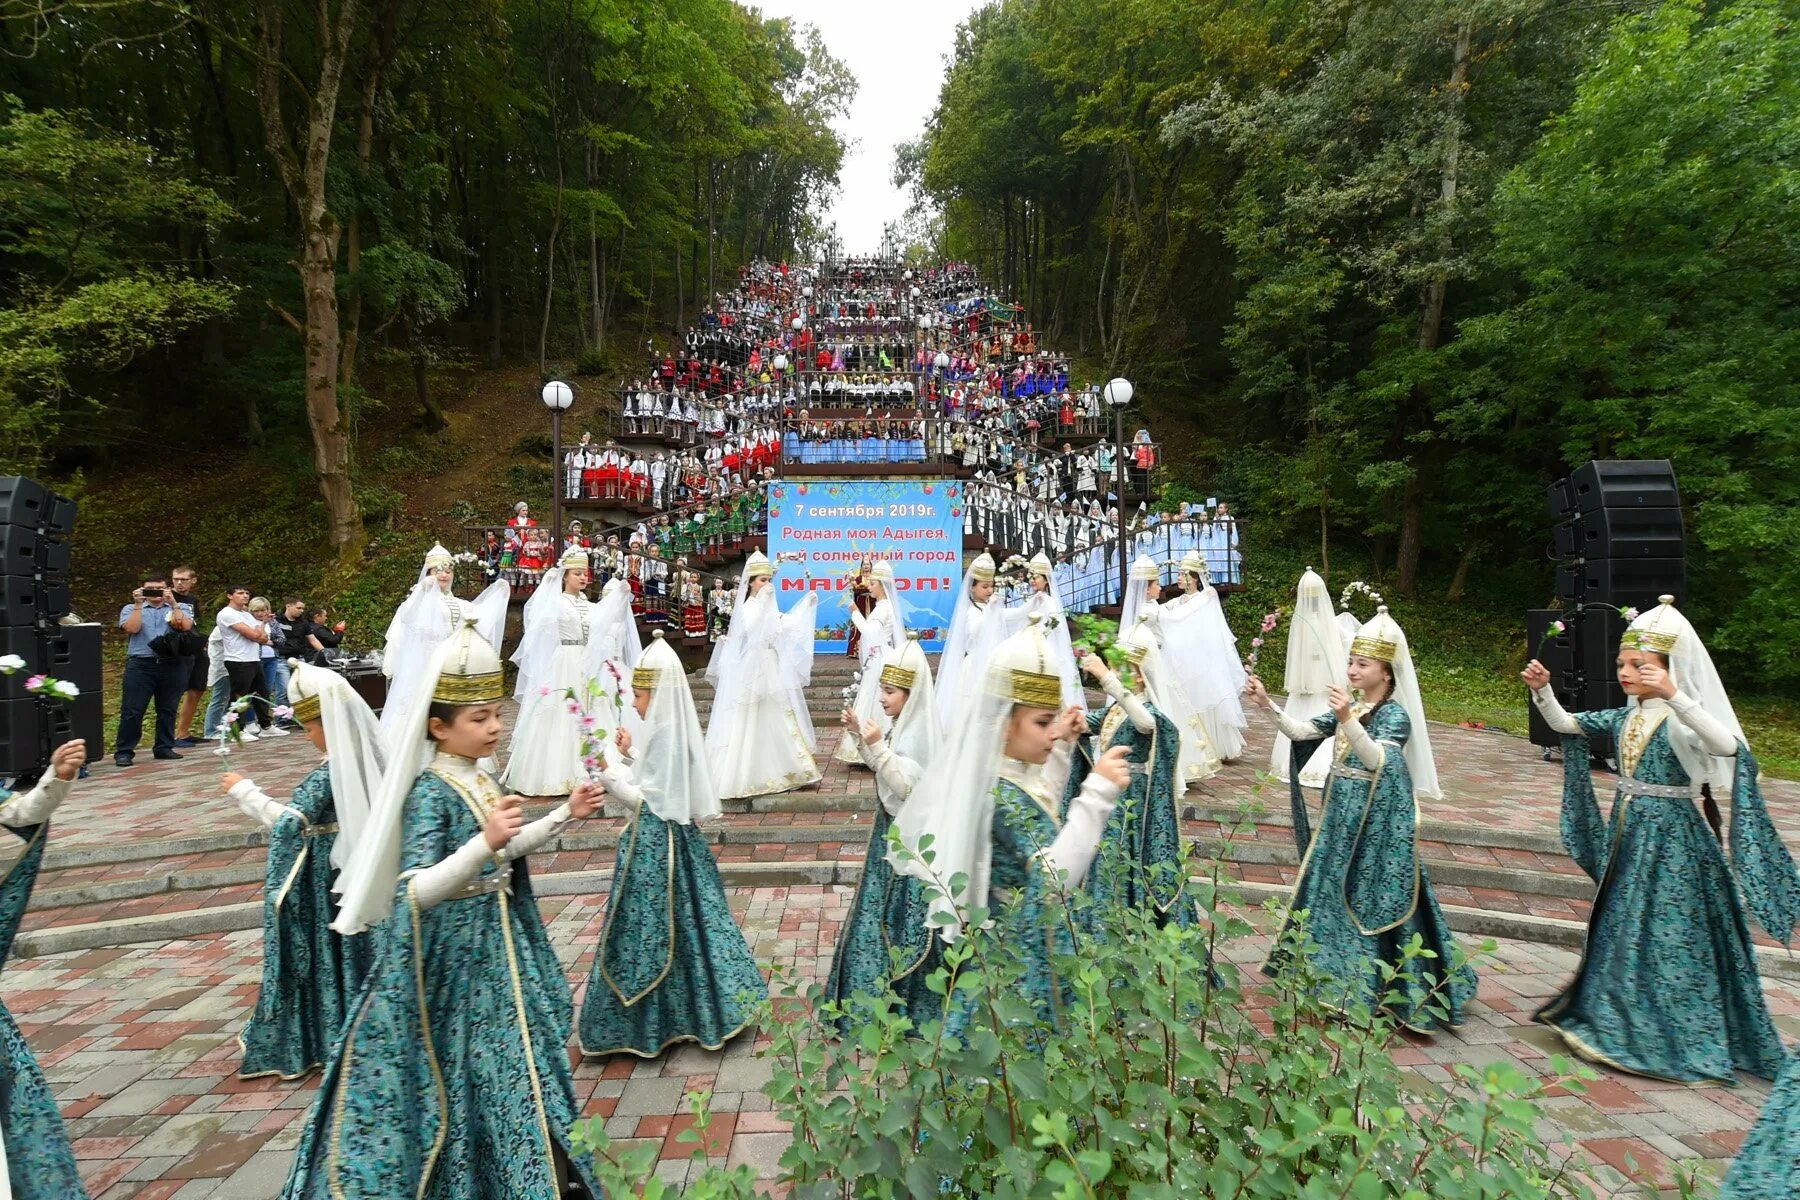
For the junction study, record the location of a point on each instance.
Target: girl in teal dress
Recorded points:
(1668, 985)
(311, 974)
(672, 965)
(34, 1146)
(888, 912)
(1140, 860)
(993, 820)
(1363, 886)
(452, 1079)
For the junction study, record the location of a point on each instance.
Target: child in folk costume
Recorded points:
(1046, 604)
(36, 1161)
(672, 965)
(1145, 871)
(693, 606)
(552, 656)
(1316, 653)
(311, 974)
(975, 631)
(1668, 985)
(760, 739)
(1362, 882)
(452, 1080)
(994, 821)
(889, 909)
(883, 632)
(428, 616)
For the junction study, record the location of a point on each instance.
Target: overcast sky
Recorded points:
(896, 49)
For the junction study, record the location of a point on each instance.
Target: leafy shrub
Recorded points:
(1170, 1074)
(595, 361)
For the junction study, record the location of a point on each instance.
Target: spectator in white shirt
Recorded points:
(242, 640)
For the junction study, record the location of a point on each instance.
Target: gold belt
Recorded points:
(320, 830)
(485, 885)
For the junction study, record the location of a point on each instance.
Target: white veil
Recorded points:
(1194, 634)
(1163, 687)
(420, 624)
(1419, 759)
(1691, 669)
(1137, 587)
(612, 632)
(974, 632)
(740, 679)
(353, 750)
(915, 735)
(541, 636)
(670, 750)
(1317, 649)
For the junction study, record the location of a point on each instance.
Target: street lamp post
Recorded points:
(1118, 395)
(557, 398)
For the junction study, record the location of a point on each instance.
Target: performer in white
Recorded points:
(760, 737)
(613, 649)
(883, 633)
(430, 613)
(975, 629)
(552, 657)
(1316, 654)
(1199, 644)
(1045, 603)
(1143, 595)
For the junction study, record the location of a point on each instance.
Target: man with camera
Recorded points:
(149, 675)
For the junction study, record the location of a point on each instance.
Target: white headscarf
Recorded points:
(1144, 572)
(1691, 669)
(536, 652)
(1315, 647)
(353, 749)
(612, 632)
(669, 748)
(971, 635)
(1419, 759)
(915, 734)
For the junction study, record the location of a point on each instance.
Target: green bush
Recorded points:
(1172, 1073)
(595, 361)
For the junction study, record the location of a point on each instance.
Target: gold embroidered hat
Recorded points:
(1379, 639)
(1658, 630)
(573, 557)
(758, 564)
(1144, 569)
(437, 557)
(982, 569)
(471, 673)
(1022, 672)
(1040, 564)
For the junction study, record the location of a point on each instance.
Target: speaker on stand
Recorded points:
(1619, 543)
(34, 602)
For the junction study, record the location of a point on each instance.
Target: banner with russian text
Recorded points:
(828, 530)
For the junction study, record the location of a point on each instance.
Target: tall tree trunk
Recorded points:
(421, 368)
(303, 173)
(1412, 537)
(595, 266)
(365, 149)
(1459, 583)
(556, 213)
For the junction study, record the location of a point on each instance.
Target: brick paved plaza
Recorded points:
(141, 955)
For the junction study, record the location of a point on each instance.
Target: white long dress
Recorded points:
(546, 743)
(760, 736)
(881, 636)
(1199, 647)
(426, 617)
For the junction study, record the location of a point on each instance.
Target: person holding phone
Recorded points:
(150, 676)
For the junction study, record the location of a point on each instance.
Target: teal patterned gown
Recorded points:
(40, 1165)
(672, 965)
(1026, 902)
(452, 1080)
(1364, 887)
(1139, 863)
(311, 974)
(889, 912)
(1768, 1166)
(1667, 985)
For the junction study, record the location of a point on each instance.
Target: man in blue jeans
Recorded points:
(148, 675)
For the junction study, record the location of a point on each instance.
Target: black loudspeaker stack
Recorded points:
(1619, 543)
(35, 524)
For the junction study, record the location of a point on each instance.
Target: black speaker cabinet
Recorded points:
(1630, 533)
(1560, 496)
(1633, 582)
(1625, 483)
(72, 652)
(81, 719)
(21, 736)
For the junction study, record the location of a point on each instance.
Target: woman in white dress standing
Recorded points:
(430, 613)
(1045, 603)
(613, 649)
(1316, 654)
(883, 633)
(974, 633)
(552, 657)
(760, 737)
(1198, 642)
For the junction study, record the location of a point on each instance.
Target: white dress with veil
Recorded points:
(760, 739)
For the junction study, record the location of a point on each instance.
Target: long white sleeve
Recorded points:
(1073, 851)
(1708, 729)
(893, 782)
(257, 804)
(1553, 712)
(616, 779)
(1361, 744)
(35, 806)
(534, 836)
(1296, 729)
(1141, 720)
(437, 883)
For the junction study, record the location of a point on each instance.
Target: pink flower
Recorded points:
(588, 723)
(35, 682)
(543, 691)
(1257, 642)
(282, 710)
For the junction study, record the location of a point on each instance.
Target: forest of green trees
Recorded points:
(231, 206)
(1403, 262)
